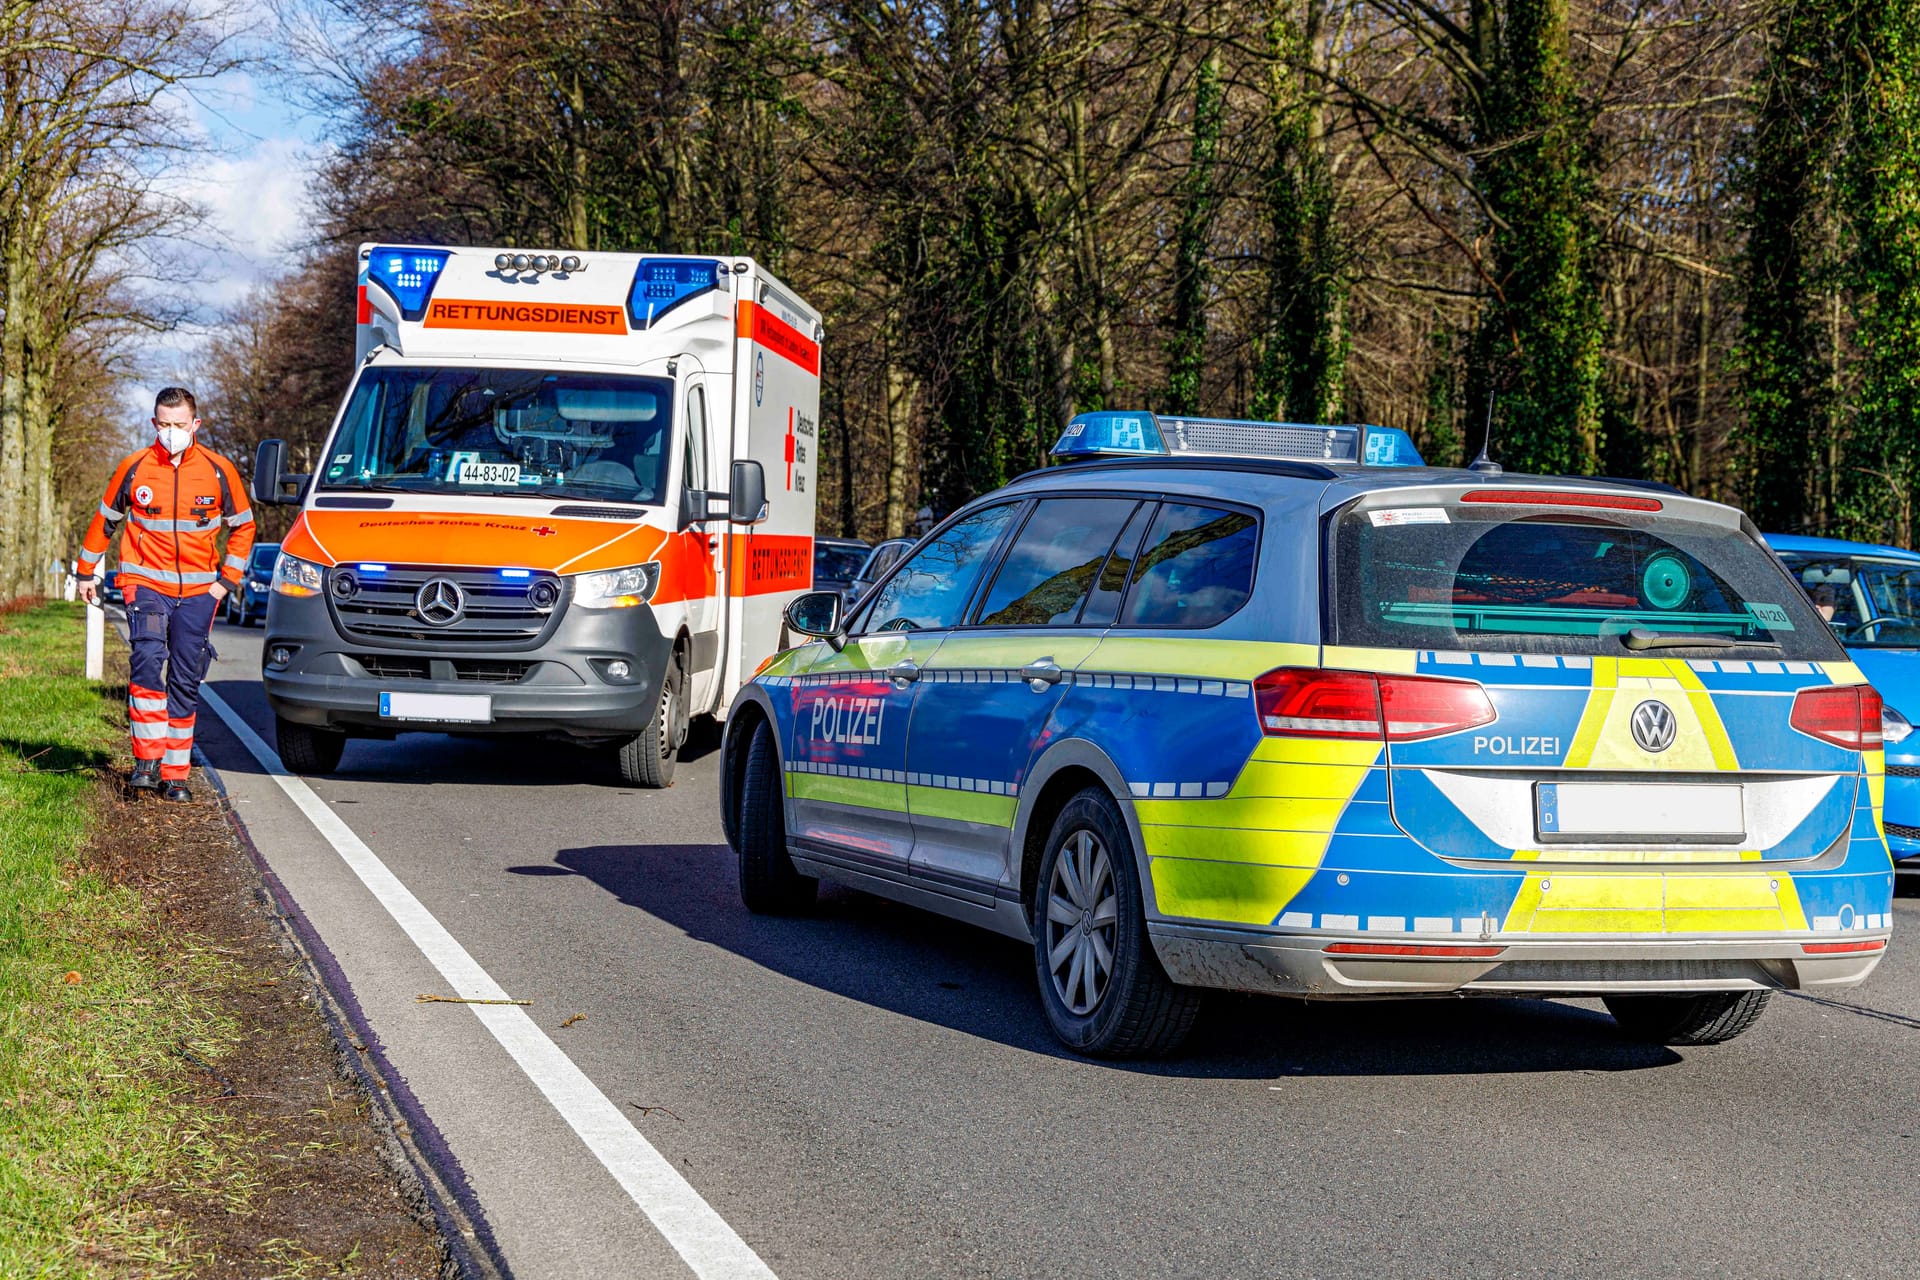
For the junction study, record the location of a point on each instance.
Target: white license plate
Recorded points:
(1663, 812)
(443, 708)
(487, 473)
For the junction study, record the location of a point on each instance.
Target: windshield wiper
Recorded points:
(1640, 638)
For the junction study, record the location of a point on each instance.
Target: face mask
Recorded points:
(175, 439)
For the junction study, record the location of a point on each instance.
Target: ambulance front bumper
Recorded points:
(1333, 966)
(565, 684)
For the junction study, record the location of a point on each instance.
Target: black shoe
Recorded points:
(146, 775)
(177, 792)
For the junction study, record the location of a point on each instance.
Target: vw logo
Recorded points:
(1653, 725)
(440, 601)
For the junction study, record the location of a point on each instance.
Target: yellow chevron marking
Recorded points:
(1604, 739)
(1552, 901)
(1243, 856)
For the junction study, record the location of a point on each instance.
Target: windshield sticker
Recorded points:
(342, 459)
(1408, 515)
(1770, 616)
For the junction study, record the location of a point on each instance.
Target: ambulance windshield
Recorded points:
(504, 432)
(1454, 576)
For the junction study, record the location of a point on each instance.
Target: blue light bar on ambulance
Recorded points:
(661, 284)
(408, 276)
(1110, 434)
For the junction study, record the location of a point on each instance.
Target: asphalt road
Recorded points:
(871, 1092)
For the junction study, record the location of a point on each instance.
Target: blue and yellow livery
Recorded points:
(1275, 708)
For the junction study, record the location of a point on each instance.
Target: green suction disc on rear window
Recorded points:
(1666, 584)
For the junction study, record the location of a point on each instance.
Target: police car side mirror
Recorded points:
(817, 614)
(270, 476)
(747, 503)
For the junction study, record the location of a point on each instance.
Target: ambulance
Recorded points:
(566, 494)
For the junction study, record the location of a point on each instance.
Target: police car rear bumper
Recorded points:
(1332, 966)
(332, 682)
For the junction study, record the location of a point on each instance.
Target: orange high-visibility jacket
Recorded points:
(173, 515)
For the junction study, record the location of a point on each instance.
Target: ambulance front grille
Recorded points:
(496, 611)
(1904, 831)
(1903, 771)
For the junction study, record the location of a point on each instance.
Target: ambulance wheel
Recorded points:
(1101, 984)
(305, 749)
(1709, 1017)
(648, 760)
(769, 884)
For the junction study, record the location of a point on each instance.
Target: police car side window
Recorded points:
(1195, 569)
(1103, 606)
(931, 590)
(1050, 569)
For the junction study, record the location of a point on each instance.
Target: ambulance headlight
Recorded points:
(617, 588)
(1894, 727)
(293, 576)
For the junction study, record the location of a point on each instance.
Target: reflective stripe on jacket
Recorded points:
(173, 516)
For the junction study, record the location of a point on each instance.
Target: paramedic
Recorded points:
(176, 498)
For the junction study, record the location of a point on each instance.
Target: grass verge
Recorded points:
(170, 1102)
(94, 1025)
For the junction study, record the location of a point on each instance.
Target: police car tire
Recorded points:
(1709, 1017)
(648, 760)
(1144, 1013)
(305, 749)
(769, 884)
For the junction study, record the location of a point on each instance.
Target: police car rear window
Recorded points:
(1450, 576)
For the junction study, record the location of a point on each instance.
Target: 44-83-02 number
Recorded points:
(469, 472)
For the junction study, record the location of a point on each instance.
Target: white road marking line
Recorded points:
(700, 1236)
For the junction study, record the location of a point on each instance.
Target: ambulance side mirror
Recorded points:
(817, 614)
(270, 476)
(747, 503)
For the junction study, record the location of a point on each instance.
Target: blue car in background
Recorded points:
(1870, 595)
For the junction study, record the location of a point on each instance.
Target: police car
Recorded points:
(1279, 709)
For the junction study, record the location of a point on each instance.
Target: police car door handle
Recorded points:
(905, 671)
(1042, 675)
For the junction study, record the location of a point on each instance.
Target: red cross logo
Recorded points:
(543, 531)
(789, 449)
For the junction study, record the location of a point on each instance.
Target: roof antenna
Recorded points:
(1483, 464)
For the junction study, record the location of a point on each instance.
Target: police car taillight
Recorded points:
(1308, 702)
(1847, 716)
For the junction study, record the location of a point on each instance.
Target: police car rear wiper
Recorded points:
(1641, 638)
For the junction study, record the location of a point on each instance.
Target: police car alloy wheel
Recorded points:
(1101, 986)
(1082, 906)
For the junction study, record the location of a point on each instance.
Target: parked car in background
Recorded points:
(110, 592)
(248, 605)
(835, 561)
(1870, 596)
(883, 557)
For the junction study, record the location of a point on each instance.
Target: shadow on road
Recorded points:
(463, 759)
(922, 966)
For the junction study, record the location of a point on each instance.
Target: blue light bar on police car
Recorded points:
(661, 284)
(408, 276)
(1111, 434)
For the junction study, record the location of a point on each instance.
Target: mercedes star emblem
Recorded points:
(441, 602)
(1654, 725)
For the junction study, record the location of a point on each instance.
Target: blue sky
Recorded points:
(261, 153)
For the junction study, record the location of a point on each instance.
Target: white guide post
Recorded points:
(96, 642)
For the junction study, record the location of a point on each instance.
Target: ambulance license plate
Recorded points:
(1640, 812)
(441, 708)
